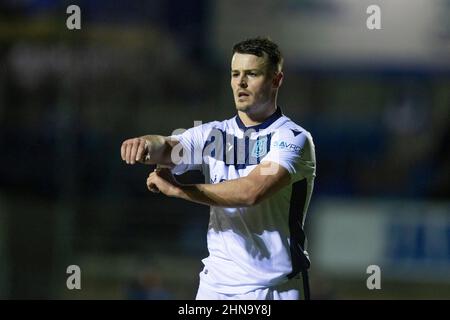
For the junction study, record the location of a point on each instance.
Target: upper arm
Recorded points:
(294, 151)
(290, 159)
(187, 148)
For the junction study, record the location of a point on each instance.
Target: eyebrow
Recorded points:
(246, 70)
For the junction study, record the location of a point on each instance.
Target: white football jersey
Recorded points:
(263, 245)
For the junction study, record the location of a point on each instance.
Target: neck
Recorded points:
(257, 117)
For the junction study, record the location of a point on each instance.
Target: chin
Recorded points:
(243, 107)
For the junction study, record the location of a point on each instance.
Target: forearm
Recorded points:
(159, 150)
(232, 193)
(242, 192)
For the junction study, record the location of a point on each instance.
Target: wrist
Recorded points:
(177, 191)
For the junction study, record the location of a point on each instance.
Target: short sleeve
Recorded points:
(294, 150)
(188, 154)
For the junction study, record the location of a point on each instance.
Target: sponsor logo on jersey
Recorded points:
(286, 146)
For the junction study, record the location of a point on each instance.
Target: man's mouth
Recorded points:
(243, 94)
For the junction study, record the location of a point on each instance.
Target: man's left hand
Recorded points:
(162, 180)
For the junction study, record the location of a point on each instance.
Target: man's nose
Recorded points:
(243, 83)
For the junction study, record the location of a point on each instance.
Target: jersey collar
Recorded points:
(274, 117)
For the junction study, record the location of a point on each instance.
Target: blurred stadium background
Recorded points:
(377, 104)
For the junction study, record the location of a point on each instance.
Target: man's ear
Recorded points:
(277, 80)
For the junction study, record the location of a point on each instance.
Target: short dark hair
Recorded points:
(257, 46)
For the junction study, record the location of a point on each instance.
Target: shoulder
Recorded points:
(290, 129)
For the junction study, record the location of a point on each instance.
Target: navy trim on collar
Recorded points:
(274, 117)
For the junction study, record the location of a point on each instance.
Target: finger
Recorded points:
(151, 179)
(140, 150)
(134, 150)
(130, 145)
(128, 151)
(125, 150)
(152, 187)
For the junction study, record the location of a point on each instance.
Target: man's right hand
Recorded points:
(136, 150)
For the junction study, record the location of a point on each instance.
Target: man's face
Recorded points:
(251, 81)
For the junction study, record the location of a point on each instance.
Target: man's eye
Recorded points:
(234, 75)
(252, 74)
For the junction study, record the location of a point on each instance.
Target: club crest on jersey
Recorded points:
(260, 147)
